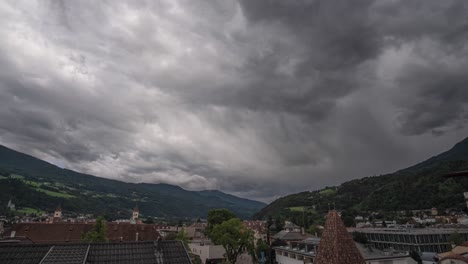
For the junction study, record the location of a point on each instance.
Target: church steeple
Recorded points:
(136, 213)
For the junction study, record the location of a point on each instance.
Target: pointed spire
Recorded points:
(336, 244)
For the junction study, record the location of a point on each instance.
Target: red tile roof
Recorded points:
(456, 257)
(73, 232)
(336, 244)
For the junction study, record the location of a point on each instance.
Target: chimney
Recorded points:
(136, 236)
(302, 231)
(13, 233)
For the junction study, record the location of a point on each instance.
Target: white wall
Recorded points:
(407, 260)
(207, 251)
(287, 260)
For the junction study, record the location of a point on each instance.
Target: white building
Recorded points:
(207, 251)
(305, 251)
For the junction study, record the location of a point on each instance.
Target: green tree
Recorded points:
(279, 224)
(314, 230)
(149, 220)
(360, 237)
(183, 236)
(262, 246)
(234, 236)
(456, 238)
(218, 216)
(98, 234)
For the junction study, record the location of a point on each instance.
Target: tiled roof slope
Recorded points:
(70, 254)
(24, 254)
(73, 232)
(151, 252)
(336, 244)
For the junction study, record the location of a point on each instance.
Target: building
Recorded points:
(11, 205)
(74, 232)
(259, 229)
(57, 218)
(412, 239)
(196, 231)
(135, 216)
(207, 251)
(298, 252)
(336, 244)
(305, 252)
(454, 259)
(458, 254)
(167, 252)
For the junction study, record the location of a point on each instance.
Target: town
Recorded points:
(428, 237)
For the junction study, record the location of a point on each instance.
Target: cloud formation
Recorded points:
(256, 98)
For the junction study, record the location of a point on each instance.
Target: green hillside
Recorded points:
(421, 186)
(36, 184)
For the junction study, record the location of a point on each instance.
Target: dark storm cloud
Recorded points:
(256, 98)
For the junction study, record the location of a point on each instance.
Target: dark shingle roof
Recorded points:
(70, 254)
(24, 254)
(167, 252)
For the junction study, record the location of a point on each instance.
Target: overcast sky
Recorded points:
(256, 98)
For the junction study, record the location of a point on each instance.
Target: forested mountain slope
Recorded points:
(36, 184)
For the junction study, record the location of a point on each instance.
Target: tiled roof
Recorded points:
(290, 235)
(73, 232)
(336, 244)
(455, 257)
(151, 252)
(70, 254)
(24, 254)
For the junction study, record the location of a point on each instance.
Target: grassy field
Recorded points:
(16, 176)
(28, 210)
(328, 192)
(55, 194)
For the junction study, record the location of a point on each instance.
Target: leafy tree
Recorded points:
(279, 224)
(234, 236)
(262, 246)
(456, 238)
(218, 216)
(183, 236)
(98, 234)
(314, 230)
(149, 220)
(171, 236)
(360, 237)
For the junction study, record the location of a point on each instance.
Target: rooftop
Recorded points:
(167, 252)
(422, 231)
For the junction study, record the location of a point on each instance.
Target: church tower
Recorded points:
(57, 215)
(135, 213)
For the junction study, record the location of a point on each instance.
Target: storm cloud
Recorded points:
(256, 98)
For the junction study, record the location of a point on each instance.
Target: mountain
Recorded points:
(34, 184)
(422, 186)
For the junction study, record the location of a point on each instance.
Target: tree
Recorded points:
(149, 220)
(234, 236)
(218, 216)
(183, 236)
(98, 234)
(279, 224)
(456, 238)
(360, 237)
(262, 246)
